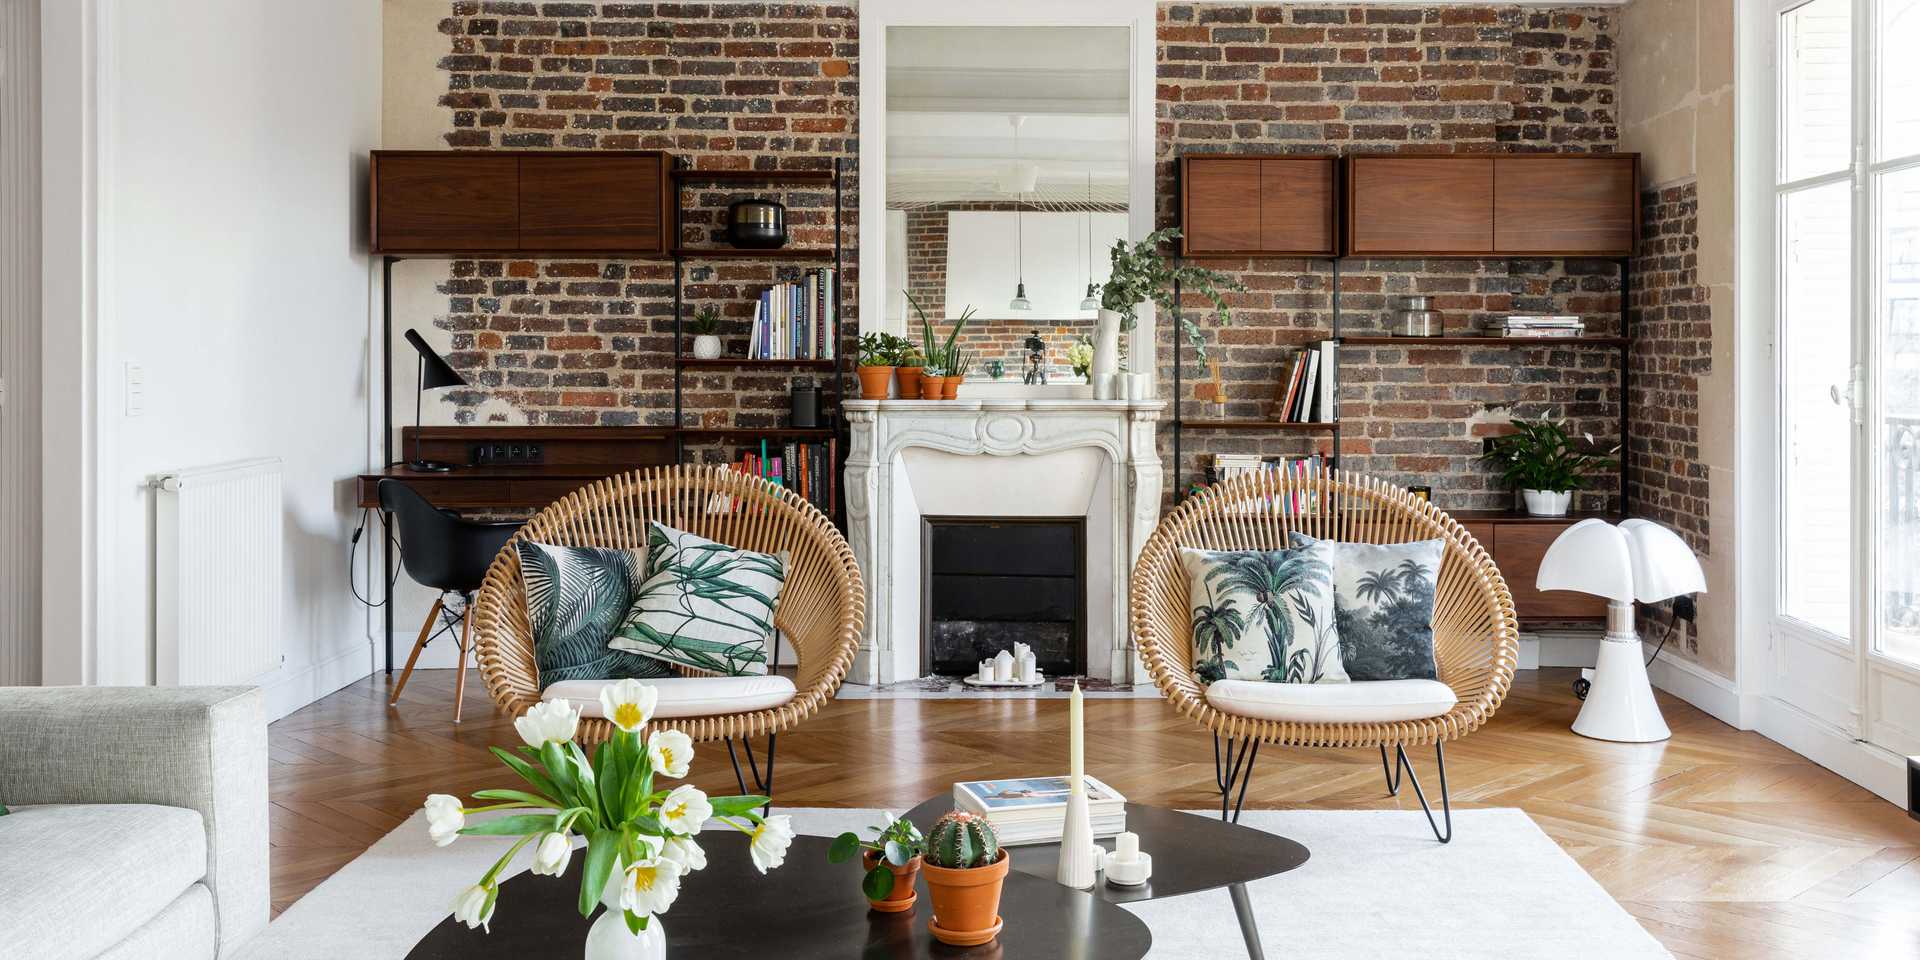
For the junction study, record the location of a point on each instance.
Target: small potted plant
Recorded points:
(959, 364)
(706, 334)
(876, 365)
(911, 362)
(1141, 275)
(1539, 459)
(940, 354)
(891, 859)
(965, 869)
(933, 382)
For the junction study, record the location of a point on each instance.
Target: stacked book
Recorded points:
(795, 321)
(805, 468)
(1521, 325)
(1034, 809)
(1311, 391)
(1226, 466)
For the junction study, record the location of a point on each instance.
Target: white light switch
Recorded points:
(136, 389)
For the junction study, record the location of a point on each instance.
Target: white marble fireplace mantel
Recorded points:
(997, 457)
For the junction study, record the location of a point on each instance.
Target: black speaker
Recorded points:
(805, 404)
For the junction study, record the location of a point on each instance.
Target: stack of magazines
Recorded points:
(1034, 809)
(1536, 326)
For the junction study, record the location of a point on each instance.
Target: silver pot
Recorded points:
(1417, 319)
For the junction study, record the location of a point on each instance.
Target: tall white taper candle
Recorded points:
(1076, 735)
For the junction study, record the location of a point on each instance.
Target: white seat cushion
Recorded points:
(686, 696)
(1362, 701)
(77, 879)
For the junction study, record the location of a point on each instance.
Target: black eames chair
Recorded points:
(438, 549)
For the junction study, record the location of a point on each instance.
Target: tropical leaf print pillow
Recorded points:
(1383, 606)
(575, 597)
(703, 604)
(1263, 615)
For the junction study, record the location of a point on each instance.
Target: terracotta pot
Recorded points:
(903, 896)
(966, 903)
(874, 382)
(932, 388)
(952, 389)
(909, 381)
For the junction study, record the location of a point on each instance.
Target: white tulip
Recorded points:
(548, 721)
(650, 886)
(629, 703)
(474, 907)
(444, 818)
(551, 855)
(685, 809)
(771, 839)
(671, 753)
(686, 853)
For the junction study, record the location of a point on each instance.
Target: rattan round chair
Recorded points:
(1476, 639)
(820, 613)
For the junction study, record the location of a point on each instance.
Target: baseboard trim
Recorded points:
(291, 691)
(1878, 770)
(1709, 691)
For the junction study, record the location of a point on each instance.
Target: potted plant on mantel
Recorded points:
(1539, 459)
(941, 356)
(965, 869)
(1141, 275)
(892, 861)
(706, 334)
(878, 356)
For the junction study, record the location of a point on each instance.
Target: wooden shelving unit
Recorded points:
(739, 434)
(1484, 341)
(779, 253)
(743, 363)
(1281, 426)
(687, 175)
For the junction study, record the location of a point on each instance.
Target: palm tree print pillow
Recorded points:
(1383, 606)
(575, 597)
(703, 604)
(1263, 615)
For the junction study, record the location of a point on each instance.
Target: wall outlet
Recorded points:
(135, 389)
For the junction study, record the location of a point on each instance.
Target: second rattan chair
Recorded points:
(820, 613)
(1476, 639)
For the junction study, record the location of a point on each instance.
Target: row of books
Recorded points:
(1521, 325)
(1034, 809)
(1311, 391)
(805, 468)
(795, 320)
(1226, 466)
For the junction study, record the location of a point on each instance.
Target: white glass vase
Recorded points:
(609, 939)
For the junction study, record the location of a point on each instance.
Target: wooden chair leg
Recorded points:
(426, 630)
(460, 674)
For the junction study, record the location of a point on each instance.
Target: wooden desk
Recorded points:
(496, 487)
(570, 458)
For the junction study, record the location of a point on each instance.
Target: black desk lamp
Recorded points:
(434, 374)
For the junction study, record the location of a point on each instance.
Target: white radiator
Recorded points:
(217, 556)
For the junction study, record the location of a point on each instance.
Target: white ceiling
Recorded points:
(952, 94)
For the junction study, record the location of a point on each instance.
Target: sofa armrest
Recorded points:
(204, 748)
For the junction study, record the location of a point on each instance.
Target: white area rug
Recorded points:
(1377, 886)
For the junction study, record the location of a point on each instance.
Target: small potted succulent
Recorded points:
(941, 355)
(891, 859)
(933, 382)
(876, 365)
(959, 364)
(1540, 460)
(706, 334)
(965, 869)
(910, 364)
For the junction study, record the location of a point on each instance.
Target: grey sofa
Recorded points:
(139, 823)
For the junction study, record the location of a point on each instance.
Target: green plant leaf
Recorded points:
(877, 883)
(735, 806)
(530, 773)
(602, 845)
(514, 826)
(520, 796)
(843, 848)
(897, 853)
(635, 922)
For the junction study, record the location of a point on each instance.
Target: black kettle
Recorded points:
(757, 224)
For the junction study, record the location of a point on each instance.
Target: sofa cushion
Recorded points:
(704, 604)
(575, 597)
(686, 696)
(77, 879)
(1383, 603)
(1362, 701)
(187, 927)
(1263, 615)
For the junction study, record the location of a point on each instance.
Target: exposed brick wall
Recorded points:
(1672, 350)
(728, 85)
(1272, 78)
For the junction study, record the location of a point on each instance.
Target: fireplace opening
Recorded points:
(989, 582)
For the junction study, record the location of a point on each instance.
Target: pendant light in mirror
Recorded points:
(1019, 301)
(1092, 301)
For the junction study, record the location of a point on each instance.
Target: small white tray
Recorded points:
(977, 682)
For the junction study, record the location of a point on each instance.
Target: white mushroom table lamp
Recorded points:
(1637, 560)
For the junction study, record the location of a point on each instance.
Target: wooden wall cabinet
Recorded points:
(1518, 544)
(1236, 205)
(520, 202)
(1519, 205)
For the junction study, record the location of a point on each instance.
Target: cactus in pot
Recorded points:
(965, 868)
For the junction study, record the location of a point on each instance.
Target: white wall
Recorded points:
(20, 341)
(983, 259)
(232, 159)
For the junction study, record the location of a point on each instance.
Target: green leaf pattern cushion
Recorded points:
(703, 604)
(1383, 606)
(575, 598)
(1263, 615)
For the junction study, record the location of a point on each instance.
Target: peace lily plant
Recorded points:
(640, 836)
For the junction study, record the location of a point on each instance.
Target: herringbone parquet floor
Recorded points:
(1723, 843)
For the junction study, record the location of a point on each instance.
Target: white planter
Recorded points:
(1547, 503)
(1105, 385)
(706, 347)
(609, 939)
(1139, 386)
(1106, 350)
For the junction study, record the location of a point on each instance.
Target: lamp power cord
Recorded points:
(1680, 608)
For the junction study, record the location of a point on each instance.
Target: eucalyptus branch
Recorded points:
(1141, 275)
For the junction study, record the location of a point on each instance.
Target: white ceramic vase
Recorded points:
(706, 347)
(1106, 352)
(1547, 503)
(1077, 850)
(609, 938)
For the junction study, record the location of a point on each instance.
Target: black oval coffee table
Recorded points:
(805, 909)
(1191, 854)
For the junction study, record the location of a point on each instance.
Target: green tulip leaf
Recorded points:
(514, 826)
(735, 806)
(601, 847)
